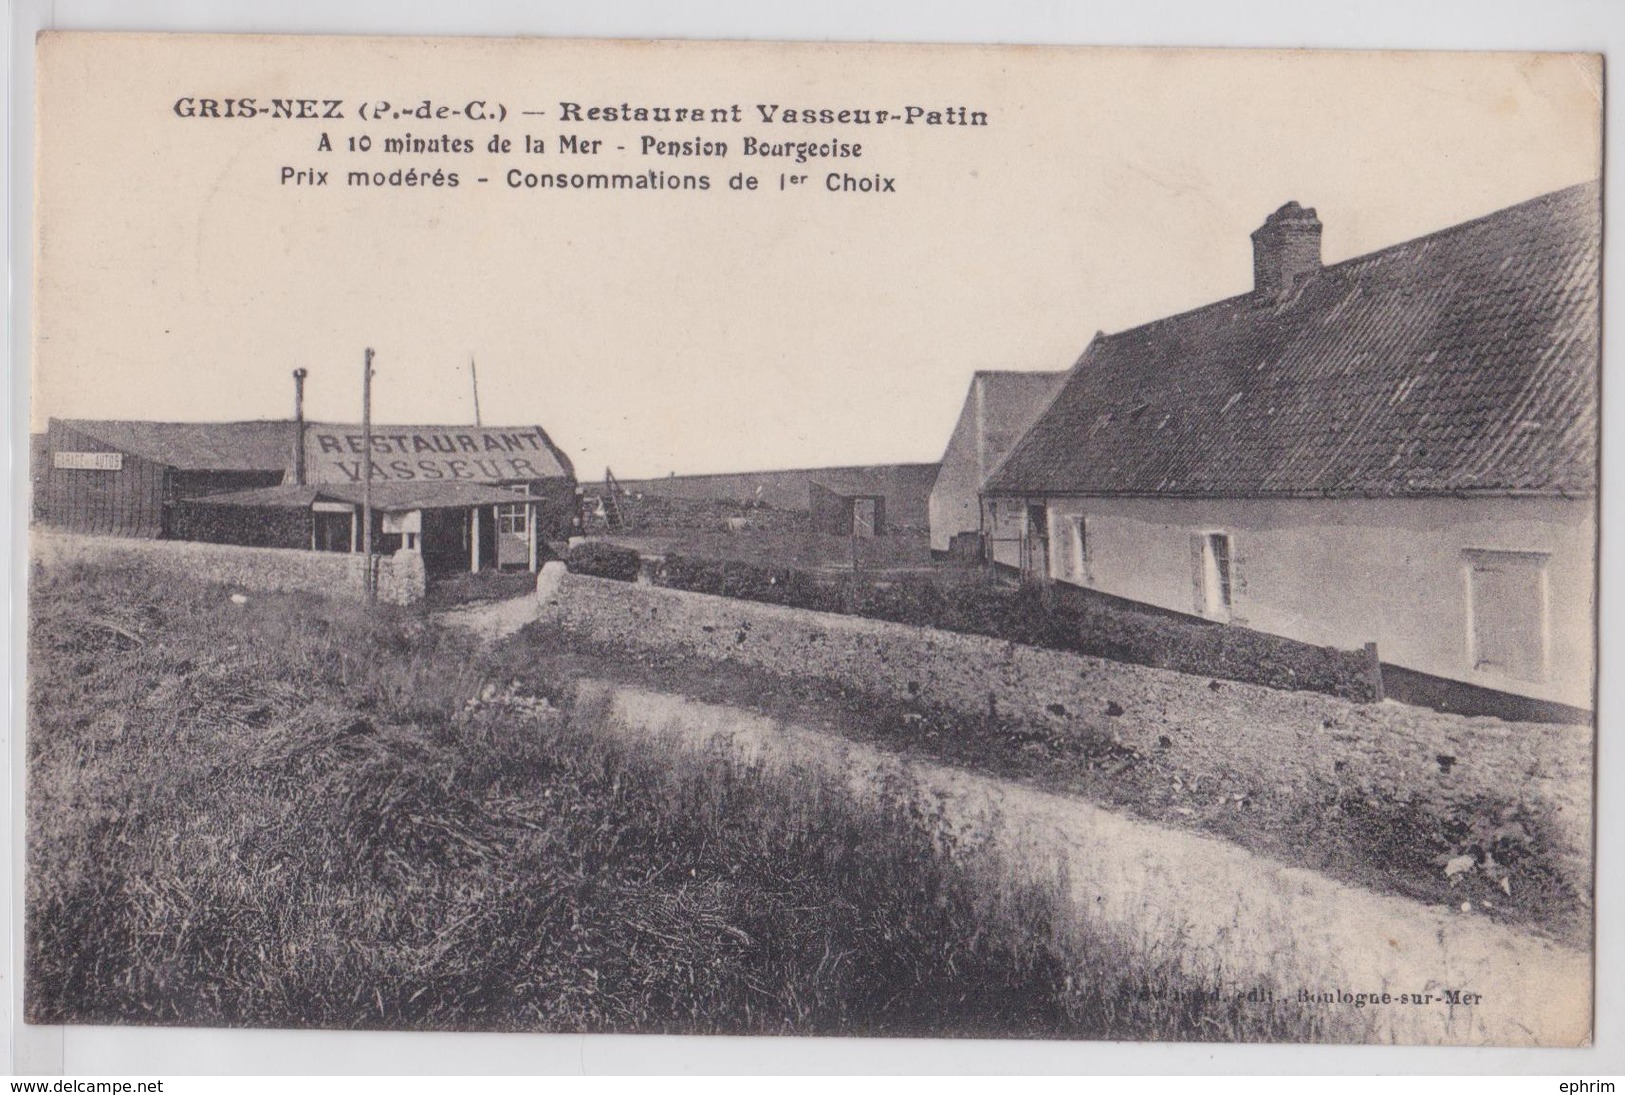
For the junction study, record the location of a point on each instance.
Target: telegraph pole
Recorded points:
(475, 377)
(299, 426)
(366, 482)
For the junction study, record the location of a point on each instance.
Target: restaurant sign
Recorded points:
(408, 453)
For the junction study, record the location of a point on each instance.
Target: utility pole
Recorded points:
(476, 379)
(299, 426)
(366, 482)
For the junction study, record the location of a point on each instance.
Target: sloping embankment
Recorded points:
(1231, 739)
(1251, 924)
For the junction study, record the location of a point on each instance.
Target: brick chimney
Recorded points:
(1285, 248)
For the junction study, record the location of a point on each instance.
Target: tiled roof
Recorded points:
(1462, 361)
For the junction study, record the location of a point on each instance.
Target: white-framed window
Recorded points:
(513, 518)
(1507, 613)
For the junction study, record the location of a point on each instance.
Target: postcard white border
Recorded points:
(1592, 25)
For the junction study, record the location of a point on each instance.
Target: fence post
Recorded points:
(1374, 669)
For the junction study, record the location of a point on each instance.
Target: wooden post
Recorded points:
(354, 531)
(1374, 667)
(530, 525)
(299, 426)
(474, 539)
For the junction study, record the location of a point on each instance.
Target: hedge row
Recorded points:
(600, 560)
(1030, 616)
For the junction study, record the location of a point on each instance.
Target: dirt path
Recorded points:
(1251, 920)
(492, 620)
(1246, 921)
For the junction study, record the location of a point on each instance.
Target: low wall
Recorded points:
(1234, 737)
(1053, 616)
(401, 578)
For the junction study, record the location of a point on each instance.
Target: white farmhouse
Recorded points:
(1400, 448)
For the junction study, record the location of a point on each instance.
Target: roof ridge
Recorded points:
(1549, 197)
(1389, 377)
(1342, 265)
(177, 421)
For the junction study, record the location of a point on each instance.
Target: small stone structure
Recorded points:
(549, 580)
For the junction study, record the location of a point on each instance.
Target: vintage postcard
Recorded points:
(805, 539)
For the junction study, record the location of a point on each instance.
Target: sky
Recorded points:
(180, 276)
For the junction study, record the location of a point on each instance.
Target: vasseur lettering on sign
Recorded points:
(88, 461)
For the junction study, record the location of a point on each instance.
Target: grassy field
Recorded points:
(291, 812)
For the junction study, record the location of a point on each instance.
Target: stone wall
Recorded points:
(401, 578)
(1229, 735)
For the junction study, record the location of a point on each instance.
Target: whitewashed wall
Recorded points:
(1343, 572)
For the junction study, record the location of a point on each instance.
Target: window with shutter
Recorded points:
(1037, 563)
(1080, 547)
(1219, 550)
(1506, 613)
(1212, 574)
(1198, 586)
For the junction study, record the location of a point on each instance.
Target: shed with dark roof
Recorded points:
(1398, 448)
(120, 478)
(136, 478)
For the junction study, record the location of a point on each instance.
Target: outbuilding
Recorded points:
(499, 494)
(836, 513)
(998, 410)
